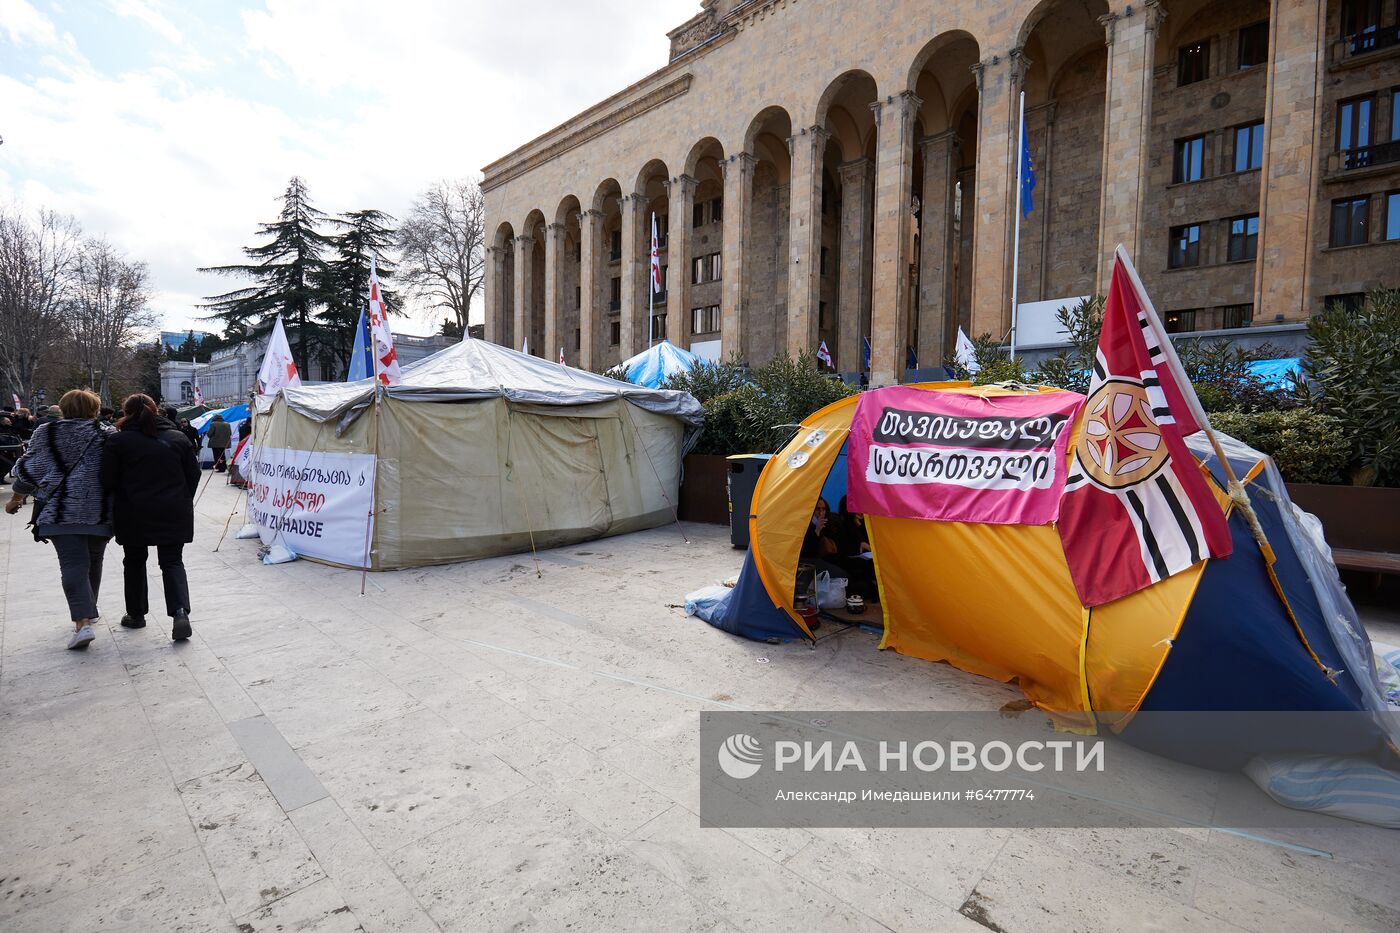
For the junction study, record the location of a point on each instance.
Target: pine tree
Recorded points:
(289, 272)
(345, 287)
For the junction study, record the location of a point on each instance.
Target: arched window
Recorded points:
(186, 391)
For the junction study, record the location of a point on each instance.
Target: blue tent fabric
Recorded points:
(361, 363)
(1277, 374)
(655, 365)
(232, 415)
(749, 610)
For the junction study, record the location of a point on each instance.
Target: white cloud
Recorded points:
(178, 161)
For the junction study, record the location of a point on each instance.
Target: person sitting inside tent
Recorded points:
(853, 554)
(820, 541)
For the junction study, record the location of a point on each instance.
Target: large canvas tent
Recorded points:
(481, 450)
(998, 600)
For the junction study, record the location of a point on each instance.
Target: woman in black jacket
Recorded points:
(149, 467)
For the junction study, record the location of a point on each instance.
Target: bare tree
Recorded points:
(109, 311)
(443, 244)
(37, 261)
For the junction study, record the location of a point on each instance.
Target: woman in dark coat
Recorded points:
(149, 467)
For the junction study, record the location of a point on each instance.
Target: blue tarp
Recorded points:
(654, 366)
(232, 415)
(1277, 374)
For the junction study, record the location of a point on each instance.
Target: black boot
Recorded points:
(182, 628)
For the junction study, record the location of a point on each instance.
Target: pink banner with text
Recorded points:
(944, 456)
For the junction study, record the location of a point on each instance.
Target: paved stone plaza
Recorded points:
(474, 747)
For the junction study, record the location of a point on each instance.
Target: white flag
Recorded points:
(966, 354)
(824, 355)
(561, 357)
(386, 360)
(279, 369)
(525, 346)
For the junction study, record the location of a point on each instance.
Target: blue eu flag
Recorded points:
(361, 363)
(1027, 172)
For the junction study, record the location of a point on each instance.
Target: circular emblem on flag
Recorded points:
(1121, 444)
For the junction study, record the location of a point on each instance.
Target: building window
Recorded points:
(1193, 63)
(1232, 316)
(1361, 19)
(186, 392)
(1185, 247)
(1179, 322)
(704, 320)
(825, 254)
(697, 270)
(660, 297)
(578, 251)
(716, 270)
(1189, 164)
(1249, 146)
(658, 325)
(1244, 237)
(615, 253)
(1392, 215)
(578, 296)
(716, 210)
(1349, 301)
(1349, 221)
(1354, 123)
(697, 215)
(663, 229)
(615, 294)
(578, 339)
(1254, 45)
(615, 333)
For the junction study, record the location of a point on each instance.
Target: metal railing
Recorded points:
(1365, 156)
(1372, 40)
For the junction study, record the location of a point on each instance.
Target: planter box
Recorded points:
(704, 493)
(1362, 518)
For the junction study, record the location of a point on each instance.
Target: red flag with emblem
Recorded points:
(1136, 507)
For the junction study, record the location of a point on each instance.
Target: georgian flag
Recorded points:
(561, 357)
(279, 368)
(386, 361)
(198, 393)
(1136, 508)
(15, 396)
(966, 354)
(824, 355)
(655, 259)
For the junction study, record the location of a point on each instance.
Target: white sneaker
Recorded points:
(81, 638)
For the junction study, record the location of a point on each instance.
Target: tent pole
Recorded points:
(373, 494)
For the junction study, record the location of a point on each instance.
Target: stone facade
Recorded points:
(845, 172)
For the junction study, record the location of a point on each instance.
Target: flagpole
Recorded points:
(1016, 249)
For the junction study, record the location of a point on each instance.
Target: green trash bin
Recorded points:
(744, 470)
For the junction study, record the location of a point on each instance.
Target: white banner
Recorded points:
(315, 503)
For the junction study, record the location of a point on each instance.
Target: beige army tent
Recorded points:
(480, 451)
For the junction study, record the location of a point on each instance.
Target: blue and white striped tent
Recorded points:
(654, 366)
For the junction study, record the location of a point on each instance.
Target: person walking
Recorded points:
(220, 436)
(62, 470)
(150, 470)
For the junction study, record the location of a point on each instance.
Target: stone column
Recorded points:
(854, 280)
(804, 238)
(995, 200)
(1291, 168)
(1131, 32)
(936, 246)
(524, 297)
(678, 257)
(590, 315)
(894, 173)
(494, 294)
(553, 283)
(738, 214)
(633, 207)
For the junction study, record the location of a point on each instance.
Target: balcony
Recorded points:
(1363, 157)
(1372, 40)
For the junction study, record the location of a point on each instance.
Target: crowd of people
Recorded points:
(92, 474)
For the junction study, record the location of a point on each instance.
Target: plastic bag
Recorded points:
(703, 602)
(247, 531)
(278, 554)
(831, 591)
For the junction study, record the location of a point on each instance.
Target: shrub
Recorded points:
(1307, 446)
(994, 364)
(759, 416)
(1355, 358)
(708, 380)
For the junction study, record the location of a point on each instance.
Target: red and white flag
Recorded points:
(198, 393)
(655, 259)
(824, 355)
(386, 361)
(15, 396)
(279, 368)
(561, 357)
(1136, 507)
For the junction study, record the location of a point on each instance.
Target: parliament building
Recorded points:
(845, 171)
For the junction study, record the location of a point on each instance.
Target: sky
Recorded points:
(171, 127)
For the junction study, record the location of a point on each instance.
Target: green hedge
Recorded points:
(1307, 446)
